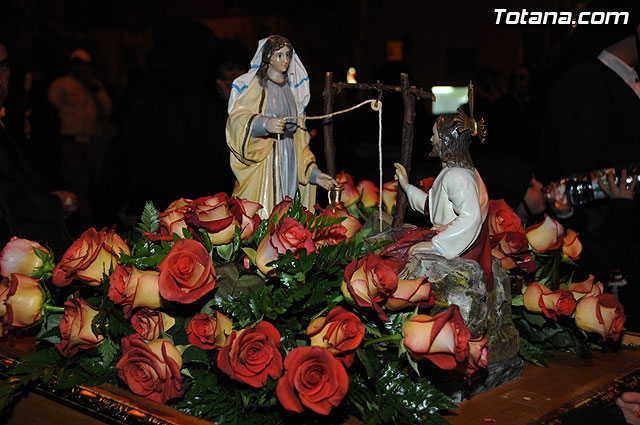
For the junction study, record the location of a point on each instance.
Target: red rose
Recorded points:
(23, 301)
(509, 248)
(340, 332)
(586, 287)
(89, 258)
(501, 218)
(212, 213)
(370, 281)
(545, 236)
(426, 184)
(571, 245)
(186, 273)
(133, 288)
(150, 324)
(369, 193)
(207, 332)
(539, 298)
(349, 192)
(75, 327)
(313, 379)
(281, 209)
(389, 194)
(288, 236)
(478, 355)
(252, 354)
(152, 369)
(443, 339)
(601, 314)
(245, 214)
(336, 233)
(411, 293)
(18, 256)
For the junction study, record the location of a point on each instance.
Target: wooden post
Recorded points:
(329, 147)
(407, 145)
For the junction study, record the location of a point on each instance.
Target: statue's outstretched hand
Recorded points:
(325, 181)
(275, 125)
(401, 176)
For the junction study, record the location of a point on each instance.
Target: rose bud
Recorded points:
(212, 213)
(443, 339)
(601, 314)
(313, 379)
(23, 301)
(18, 256)
(75, 327)
(389, 194)
(186, 273)
(172, 219)
(150, 324)
(478, 355)
(133, 288)
(545, 236)
(151, 370)
(207, 332)
(245, 215)
(510, 245)
(370, 281)
(281, 209)
(252, 354)
(288, 236)
(587, 287)
(89, 258)
(426, 184)
(501, 218)
(340, 332)
(571, 245)
(370, 194)
(411, 293)
(349, 192)
(336, 233)
(538, 298)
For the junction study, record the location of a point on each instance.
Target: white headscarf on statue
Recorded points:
(296, 75)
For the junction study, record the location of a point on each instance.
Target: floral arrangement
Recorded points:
(550, 310)
(235, 319)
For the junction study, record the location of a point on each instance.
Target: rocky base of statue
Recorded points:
(461, 282)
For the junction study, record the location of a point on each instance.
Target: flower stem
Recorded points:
(333, 302)
(388, 338)
(53, 309)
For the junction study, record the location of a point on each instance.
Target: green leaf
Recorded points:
(535, 318)
(150, 220)
(225, 251)
(195, 354)
(108, 349)
(49, 330)
(517, 301)
(251, 253)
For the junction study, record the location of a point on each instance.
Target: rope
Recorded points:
(380, 163)
(376, 105)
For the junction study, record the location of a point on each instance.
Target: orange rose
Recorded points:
(411, 293)
(18, 256)
(172, 219)
(478, 355)
(538, 298)
(4, 292)
(75, 327)
(246, 215)
(501, 218)
(586, 288)
(89, 258)
(341, 332)
(150, 324)
(186, 273)
(288, 236)
(333, 235)
(207, 332)
(23, 301)
(281, 209)
(349, 192)
(509, 247)
(213, 214)
(389, 194)
(133, 288)
(370, 281)
(601, 314)
(369, 192)
(571, 245)
(443, 339)
(152, 369)
(545, 236)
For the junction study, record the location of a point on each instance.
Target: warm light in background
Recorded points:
(351, 75)
(448, 99)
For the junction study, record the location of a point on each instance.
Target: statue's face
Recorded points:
(280, 59)
(436, 143)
